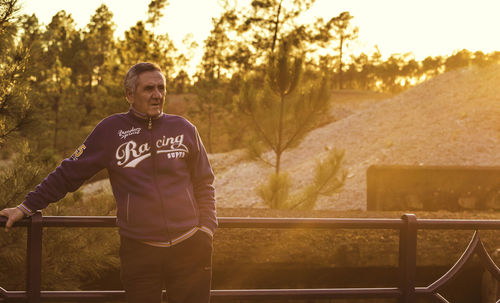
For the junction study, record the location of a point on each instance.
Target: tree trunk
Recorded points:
(280, 135)
(276, 27)
(341, 46)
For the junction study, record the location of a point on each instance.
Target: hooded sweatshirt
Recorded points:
(159, 171)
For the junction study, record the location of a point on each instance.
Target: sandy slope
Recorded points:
(452, 119)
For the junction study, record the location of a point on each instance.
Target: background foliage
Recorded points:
(57, 82)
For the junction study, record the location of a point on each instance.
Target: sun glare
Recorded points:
(424, 28)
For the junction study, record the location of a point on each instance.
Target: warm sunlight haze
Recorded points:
(293, 150)
(424, 28)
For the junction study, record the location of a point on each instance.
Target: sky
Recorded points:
(424, 27)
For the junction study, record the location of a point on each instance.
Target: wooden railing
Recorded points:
(406, 290)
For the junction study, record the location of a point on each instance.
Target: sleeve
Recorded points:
(85, 162)
(202, 177)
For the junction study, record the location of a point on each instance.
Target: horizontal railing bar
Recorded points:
(362, 223)
(457, 224)
(245, 222)
(94, 296)
(70, 221)
(79, 221)
(14, 296)
(308, 293)
(230, 222)
(98, 295)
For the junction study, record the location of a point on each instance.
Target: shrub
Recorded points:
(329, 178)
(275, 192)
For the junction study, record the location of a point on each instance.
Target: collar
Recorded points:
(141, 117)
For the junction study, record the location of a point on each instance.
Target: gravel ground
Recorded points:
(452, 119)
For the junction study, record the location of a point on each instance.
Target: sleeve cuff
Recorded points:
(26, 211)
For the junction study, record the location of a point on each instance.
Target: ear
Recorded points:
(129, 96)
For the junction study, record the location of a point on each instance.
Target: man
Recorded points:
(163, 186)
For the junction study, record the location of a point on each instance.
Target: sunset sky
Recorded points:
(425, 27)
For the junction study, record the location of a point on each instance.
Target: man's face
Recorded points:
(149, 95)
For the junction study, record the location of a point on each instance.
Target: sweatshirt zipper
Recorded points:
(155, 180)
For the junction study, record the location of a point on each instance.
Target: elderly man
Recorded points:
(162, 182)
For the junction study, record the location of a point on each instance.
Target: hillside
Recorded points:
(452, 119)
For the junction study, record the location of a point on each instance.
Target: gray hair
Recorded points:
(130, 81)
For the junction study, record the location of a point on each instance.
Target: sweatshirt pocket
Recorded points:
(141, 213)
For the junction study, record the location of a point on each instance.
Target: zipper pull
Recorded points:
(150, 123)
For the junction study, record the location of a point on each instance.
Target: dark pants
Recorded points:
(185, 270)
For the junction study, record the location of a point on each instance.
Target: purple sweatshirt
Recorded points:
(161, 178)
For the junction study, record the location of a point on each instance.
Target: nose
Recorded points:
(157, 93)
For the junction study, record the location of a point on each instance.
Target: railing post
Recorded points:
(34, 259)
(408, 258)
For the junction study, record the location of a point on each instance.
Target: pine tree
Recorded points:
(211, 110)
(81, 254)
(155, 13)
(14, 107)
(270, 21)
(284, 109)
(141, 44)
(281, 112)
(329, 178)
(345, 32)
(95, 51)
(19, 173)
